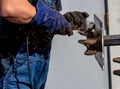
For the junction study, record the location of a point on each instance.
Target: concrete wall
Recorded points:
(114, 20)
(69, 67)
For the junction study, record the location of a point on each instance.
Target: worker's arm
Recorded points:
(22, 12)
(17, 11)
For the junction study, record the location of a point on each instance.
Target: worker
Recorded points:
(26, 32)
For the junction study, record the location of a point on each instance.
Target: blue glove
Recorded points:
(51, 19)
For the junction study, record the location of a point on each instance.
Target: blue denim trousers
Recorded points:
(27, 72)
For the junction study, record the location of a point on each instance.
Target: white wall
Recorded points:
(114, 20)
(69, 67)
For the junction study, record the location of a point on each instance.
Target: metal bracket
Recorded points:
(94, 40)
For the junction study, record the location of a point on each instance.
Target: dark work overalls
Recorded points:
(25, 53)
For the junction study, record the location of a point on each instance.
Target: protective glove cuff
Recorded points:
(42, 15)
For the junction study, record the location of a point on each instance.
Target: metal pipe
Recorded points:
(108, 48)
(111, 40)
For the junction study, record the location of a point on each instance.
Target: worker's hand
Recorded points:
(77, 18)
(51, 19)
(66, 31)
